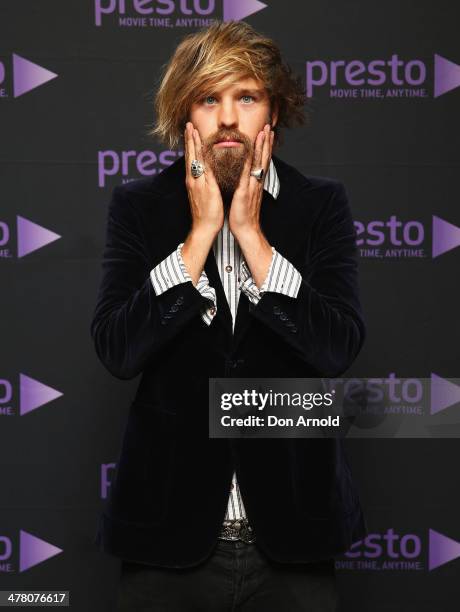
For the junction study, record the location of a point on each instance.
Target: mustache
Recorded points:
(229, 135)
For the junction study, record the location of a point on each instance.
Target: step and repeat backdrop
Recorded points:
(77, 81)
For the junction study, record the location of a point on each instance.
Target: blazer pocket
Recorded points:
(140, 490)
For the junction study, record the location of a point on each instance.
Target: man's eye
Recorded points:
(209, 98)
(252, 97)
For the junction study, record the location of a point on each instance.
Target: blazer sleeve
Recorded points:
(131, 323)
(172, 271)
(324, 324)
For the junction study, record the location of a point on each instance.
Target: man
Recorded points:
(230, 263)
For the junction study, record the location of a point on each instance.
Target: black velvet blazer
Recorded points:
(170, 489)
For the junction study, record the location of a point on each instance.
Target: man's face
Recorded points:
(238, 113)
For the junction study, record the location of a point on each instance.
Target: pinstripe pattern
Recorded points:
(282, 277)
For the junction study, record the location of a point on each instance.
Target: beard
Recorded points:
(227, 163)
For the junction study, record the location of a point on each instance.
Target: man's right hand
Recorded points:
(206, 207)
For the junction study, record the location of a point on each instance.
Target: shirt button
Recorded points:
(228, 268)
(212, 310)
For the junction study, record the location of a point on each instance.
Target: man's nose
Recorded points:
(228, 116)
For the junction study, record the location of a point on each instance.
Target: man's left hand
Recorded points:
(245, 208)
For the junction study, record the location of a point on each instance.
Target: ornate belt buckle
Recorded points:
(244, 531)
(238, 529)
(247, 535)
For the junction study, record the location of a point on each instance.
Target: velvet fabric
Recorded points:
(171, 485)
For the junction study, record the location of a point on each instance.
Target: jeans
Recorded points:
(236, 577)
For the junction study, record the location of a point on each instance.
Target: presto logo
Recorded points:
(397, 239)
(382, 78)
(28, 235)
(32, 551)
(25, 76)
(172, 13)
(392, 551)
(32, 395)
(123, 163)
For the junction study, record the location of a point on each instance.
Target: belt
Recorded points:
(237, 529)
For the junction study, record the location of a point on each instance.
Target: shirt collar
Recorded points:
(272, 182)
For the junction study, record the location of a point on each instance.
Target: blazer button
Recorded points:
(180, 300)
(276, 310)
(174, 308)
(283, 317)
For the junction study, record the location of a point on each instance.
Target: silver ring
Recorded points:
(258, 174)
(197, 168)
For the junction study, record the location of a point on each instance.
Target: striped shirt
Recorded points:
(282, 277)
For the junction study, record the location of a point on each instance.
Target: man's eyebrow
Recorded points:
(250, 91)
(244, 90)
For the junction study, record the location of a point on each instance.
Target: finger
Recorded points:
(187, 151)
(267, 151)
(190, 143)
(245, 178)
(257, 157)
(197, 145)
(208, 173)
(272, 142)
(266, 148)
(199, 156)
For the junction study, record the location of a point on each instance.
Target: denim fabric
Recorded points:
(235, 577)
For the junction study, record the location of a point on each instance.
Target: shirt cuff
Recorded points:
(282, 277)
(203, 286)
(169, 273)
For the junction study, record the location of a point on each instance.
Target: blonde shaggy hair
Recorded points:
(215, 57)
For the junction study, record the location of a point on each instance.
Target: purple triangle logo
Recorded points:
(33, 550)
(239, 9)
(32, 236)
(443, 393)
(33, 394)
(446, 75)
(441, 549)
(27, 75)
(446, 236)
